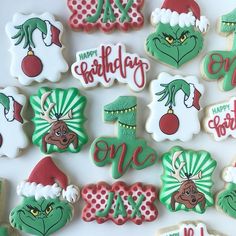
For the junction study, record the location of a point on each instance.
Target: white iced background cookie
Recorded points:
(12, 105)
(175, 107)
(220, 120)
(108, 63)
(36, 48)
(187, 229)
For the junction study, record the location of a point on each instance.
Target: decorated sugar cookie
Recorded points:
(178, 37)
(105, 15)
(36, 46)
(187, 229)
(175, 107)
(222, 64)
(126, 150)
(47, 200)
(59, 120)
(119, 203)
(187, 180)
(220, 120)
(12, 105)
(226, 199)
(107, 63)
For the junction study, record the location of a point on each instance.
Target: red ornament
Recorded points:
(31, 65)
(169, 123)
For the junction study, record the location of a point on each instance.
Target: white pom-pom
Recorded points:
(202, 24)
(229, 175)
(71, 194)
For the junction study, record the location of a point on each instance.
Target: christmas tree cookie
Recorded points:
(226, 199)
(175, 107)
(179, 32)
(187, 180)
(36, 46)
(47, 200)
(59, 120)
(126, 150)
(222, 64)
(12, 106)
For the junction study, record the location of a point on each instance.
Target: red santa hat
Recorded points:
(52, 36)
(48, 181)
(184, 13)
(193, 99)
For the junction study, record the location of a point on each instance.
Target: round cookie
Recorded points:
(187, 180)
(119, 203)
(35, 47)
(218, 65)
(59, 120)
(126, 150)
(47, 198)
(178, 37)
(12, 108)
(107, 63)
(175, 107)
(105, 15)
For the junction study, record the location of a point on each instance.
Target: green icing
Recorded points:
(222, 64)
(61, 134)
(105, 212)
(226, 200)
(174, 45)
(187, 180)
(125, 151)
(4, 231)
(25, 31)
(5, 101)
(42, 217)
(136, 206)
(119, 208)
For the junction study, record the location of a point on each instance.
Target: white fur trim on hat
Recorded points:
(229, 175)
(38, 191)
(48, 37)
(202, 24)
(71, 194)
(188, 100)
(10, 114)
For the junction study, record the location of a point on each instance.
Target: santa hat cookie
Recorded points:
(182, 13)
(46, 206)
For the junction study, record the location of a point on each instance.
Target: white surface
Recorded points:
(79, 166)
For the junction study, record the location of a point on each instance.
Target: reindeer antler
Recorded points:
(176, 171)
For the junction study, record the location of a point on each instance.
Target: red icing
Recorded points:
(169, 123)
(147, 209)
(55, 33)
(46, 172)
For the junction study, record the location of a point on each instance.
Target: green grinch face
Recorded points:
(227, 200)
(42, 217)
(174, 45)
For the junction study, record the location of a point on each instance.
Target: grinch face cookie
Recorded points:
(178, 36)
(226, 199)
(12, 106)
(47, 198)
(35, 46)
(119, 203)
(59, 119)
(187, 180)
(187, 229)
(222, 64)
(124, 151)
(175, 107)
(105, 15)
(220, 120)
(108, 63)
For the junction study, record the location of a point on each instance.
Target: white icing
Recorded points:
(12, 144)
(188, 117)
(48, 37)
(203, 24)
(71, 194)
(135, 77)
(188, 100)
(48, 55)
(38, 191)
(229, 175)
(10, 114)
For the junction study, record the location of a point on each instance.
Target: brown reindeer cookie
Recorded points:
(59, 120)
(187, 180)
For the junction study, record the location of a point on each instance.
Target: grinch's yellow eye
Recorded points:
(48, 210)
(183, 38)
(34, 212)
(169, 39)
